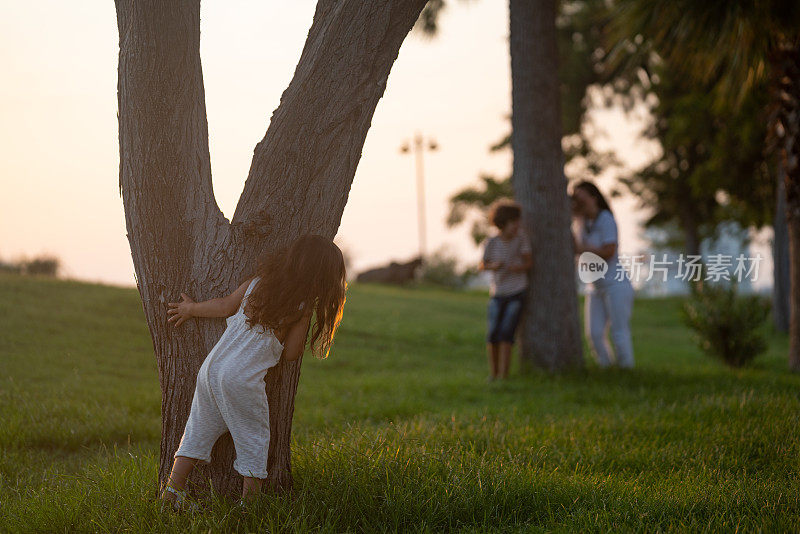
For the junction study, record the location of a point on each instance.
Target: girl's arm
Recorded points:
(295, 341)
(219, 307)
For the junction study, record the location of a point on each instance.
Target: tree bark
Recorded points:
(687, 218)
(784, 135)
(298, 183)
(550, 334)
(794, 313)
(781, 281)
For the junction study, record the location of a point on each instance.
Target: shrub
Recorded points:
(14, 268)
(727, 326)
(43, 265)
(440, 268)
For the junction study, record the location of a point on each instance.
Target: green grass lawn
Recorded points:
(398, 430)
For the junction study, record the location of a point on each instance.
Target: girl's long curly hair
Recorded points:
(309, 273)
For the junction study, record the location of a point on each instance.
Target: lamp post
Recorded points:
(419, 145)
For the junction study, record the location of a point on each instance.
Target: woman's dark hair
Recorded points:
(310, 272)
(590, 188)
(502, 211)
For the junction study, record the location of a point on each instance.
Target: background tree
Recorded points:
(781, 283)
(580, 26)
(735, 46)
(298, 183)
(549, 340)
(478, 199)
(550, 335)
(472, 202)
(711, 168)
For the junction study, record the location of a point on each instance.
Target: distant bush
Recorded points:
(727, 326)
(440, 268)
(40, 265)
(7, 267)
(43, 265)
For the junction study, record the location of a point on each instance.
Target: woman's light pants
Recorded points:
(610, 307)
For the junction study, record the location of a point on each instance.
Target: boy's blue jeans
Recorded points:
(503, 315)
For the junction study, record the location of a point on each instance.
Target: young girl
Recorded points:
(508, 257)
(268, 319)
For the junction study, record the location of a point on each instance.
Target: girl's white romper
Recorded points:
(230, 395)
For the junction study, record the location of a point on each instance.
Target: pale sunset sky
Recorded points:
(59, 151)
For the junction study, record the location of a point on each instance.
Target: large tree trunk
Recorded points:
(784, 136)
(298, 183)
(781, 281)
(550, 334)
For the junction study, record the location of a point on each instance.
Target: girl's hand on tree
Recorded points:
(181, 311)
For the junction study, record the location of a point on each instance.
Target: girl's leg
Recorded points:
(177, 478)
(203, 427)
(248, 412)
(595, 321)
(251, 486)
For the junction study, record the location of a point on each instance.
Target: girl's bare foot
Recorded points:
(177, 500)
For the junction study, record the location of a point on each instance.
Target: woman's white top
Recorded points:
(600, 231)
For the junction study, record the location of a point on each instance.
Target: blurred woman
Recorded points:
(610, 299)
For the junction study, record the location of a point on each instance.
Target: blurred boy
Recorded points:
(507, 256)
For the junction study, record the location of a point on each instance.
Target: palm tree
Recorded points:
(735, 45)
(704, 152)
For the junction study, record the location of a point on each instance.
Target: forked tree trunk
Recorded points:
(298, 183)
(550, 334)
